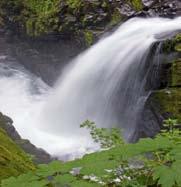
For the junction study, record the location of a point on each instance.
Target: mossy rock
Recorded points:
(172, 45)
(13, 160)
(136, 4)
(169, 101)
(178, 47)
(116, 17)
(40, 18)
(89, 37)
(75, 4)
(176, 73)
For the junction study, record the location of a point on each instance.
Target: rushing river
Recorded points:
(105, 84)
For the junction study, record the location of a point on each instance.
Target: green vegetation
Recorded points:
(178, 47)
(107, 138)
(173, 44)
(13, 161)
(176, 73)
(137, 4)
(89, 37)
(76, 18)
(150, 162)
(41, 16)
(178, 42)
(116, 17)
(75, 4)
(169, 101)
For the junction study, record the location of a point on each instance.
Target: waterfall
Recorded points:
(105, 84)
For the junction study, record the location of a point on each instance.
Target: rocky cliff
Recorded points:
(38, 156)
(168, 98)
(13, 160)
(48, 34)
(82, 19)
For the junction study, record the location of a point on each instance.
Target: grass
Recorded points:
(13, 161)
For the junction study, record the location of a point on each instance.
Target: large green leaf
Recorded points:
(49, 170)
(168, 176)
(82, 183)
(64, 179)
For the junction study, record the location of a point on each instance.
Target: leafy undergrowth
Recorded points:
(150, 162)
(13, 161)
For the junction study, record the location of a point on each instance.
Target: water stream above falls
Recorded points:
(105, 84)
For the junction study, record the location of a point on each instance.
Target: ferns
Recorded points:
(106, 137)
(150, 162)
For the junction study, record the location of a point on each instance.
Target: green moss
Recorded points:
(36, 17)
(13, 161)
(168, 46)
(75, 4)
(177, 41)
(137, 4)
(116, 17)
(172, 45)
(89, 37)
(29, 27)
(176, 73)
(178, 47)
(170, 101)
(178, 37)
(41, 16)
(104, 4)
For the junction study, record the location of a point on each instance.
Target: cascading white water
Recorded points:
(105, 84)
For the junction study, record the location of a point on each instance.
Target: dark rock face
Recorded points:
(74, 19)
(71, 20)
(164, 8)
(165, 101)
(79, 25)
(45, 59)
(39, 155)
